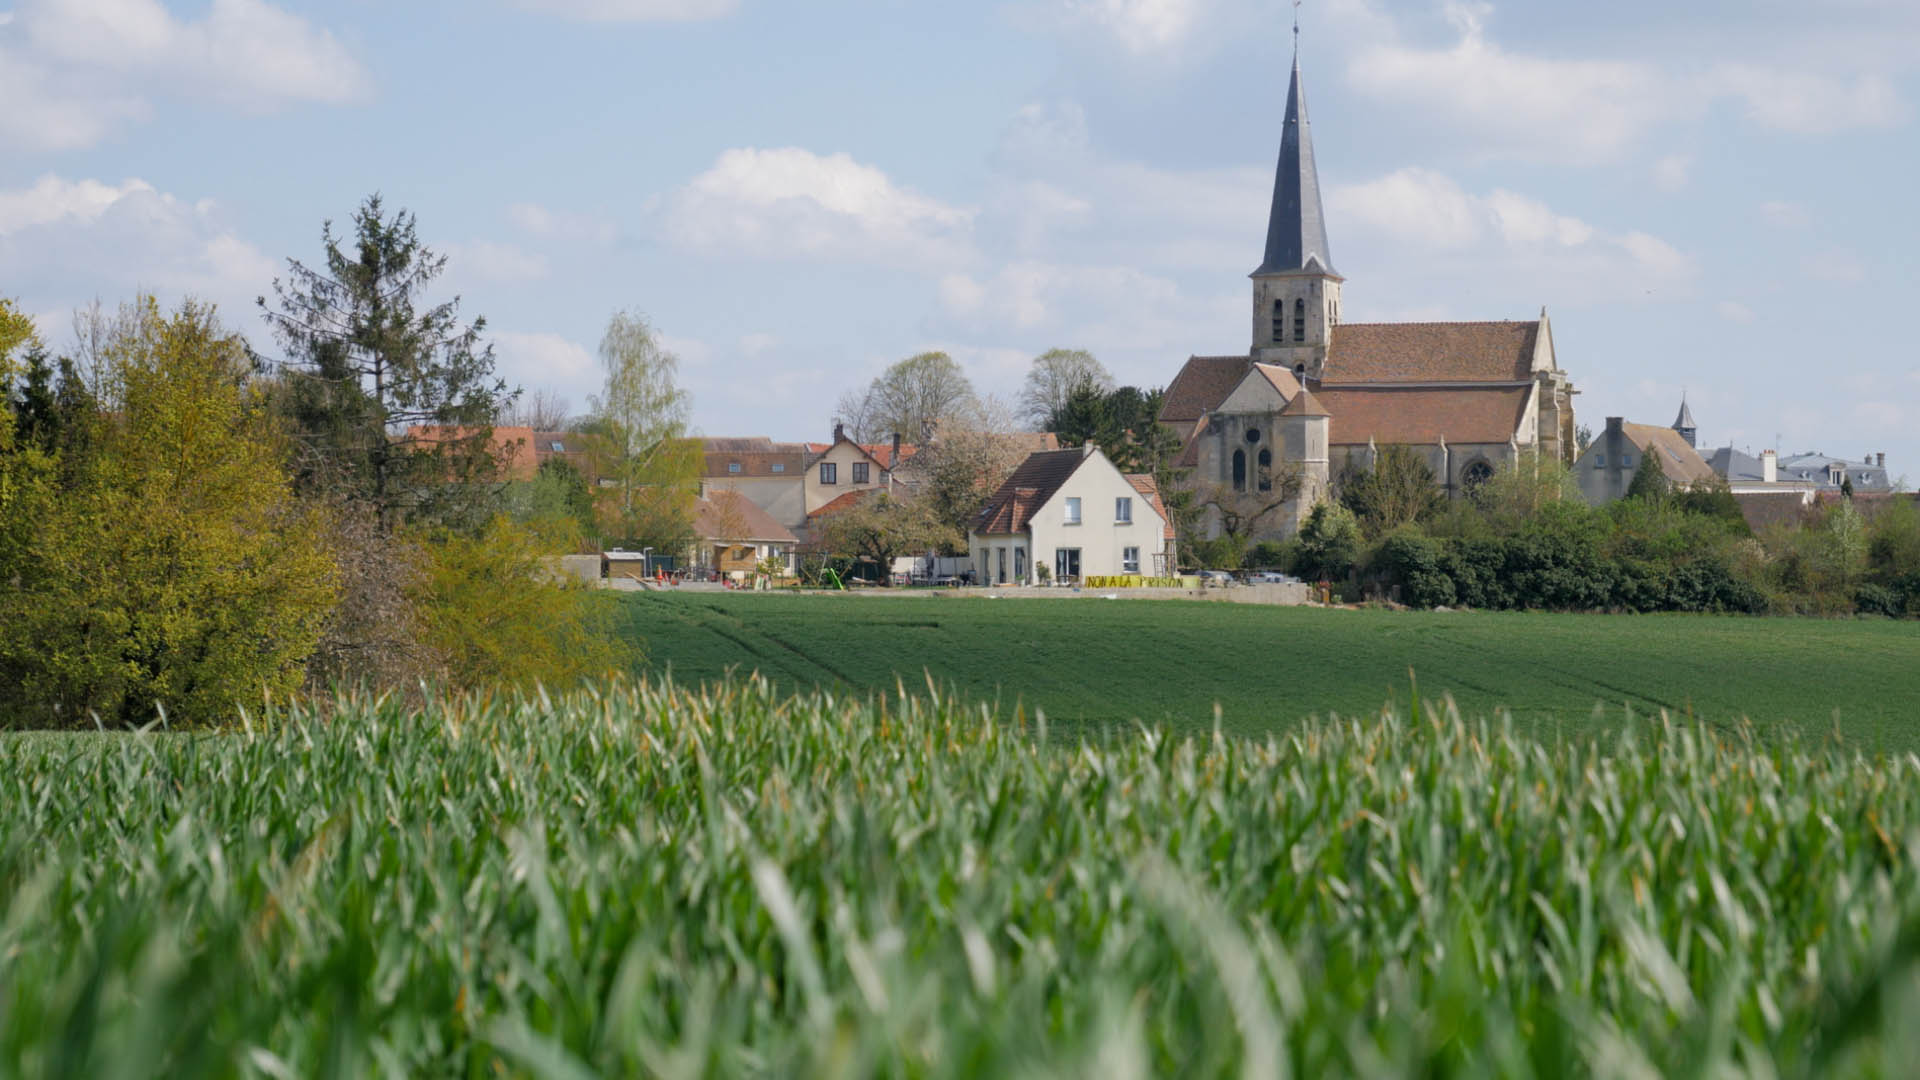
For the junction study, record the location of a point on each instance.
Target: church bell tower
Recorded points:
(1296, 293)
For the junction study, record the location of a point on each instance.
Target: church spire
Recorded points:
(1297, 229)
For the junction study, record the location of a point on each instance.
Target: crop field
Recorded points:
(1091, 663)
(638, 880)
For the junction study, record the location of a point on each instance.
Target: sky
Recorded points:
(1712, 199)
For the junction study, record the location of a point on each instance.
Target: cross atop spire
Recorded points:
(1297, 227)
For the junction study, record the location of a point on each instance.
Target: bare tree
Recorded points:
(1055, 375)
(541, 410)
(908, 399)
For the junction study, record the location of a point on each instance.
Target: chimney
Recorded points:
(894, 462)
(1883, 460)
(1770, 466)
(839, 431)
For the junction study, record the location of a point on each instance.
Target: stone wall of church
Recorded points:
(1452, 465)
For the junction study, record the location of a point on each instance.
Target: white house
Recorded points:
(1076, 514)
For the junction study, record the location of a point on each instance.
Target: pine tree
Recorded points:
(1649, 480)
(367, 370)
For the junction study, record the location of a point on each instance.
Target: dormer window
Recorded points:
(733, 468)
(1299, 321)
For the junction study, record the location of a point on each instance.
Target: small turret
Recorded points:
(1685, 426)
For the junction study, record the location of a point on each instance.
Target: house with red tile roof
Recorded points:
(1468, 397)
(1074, 513)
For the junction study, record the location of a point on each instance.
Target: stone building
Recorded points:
(1467, 397)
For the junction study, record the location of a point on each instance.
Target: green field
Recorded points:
(651, 882)
(1095, 662)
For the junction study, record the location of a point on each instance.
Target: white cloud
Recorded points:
(1837, 266)
(72, 71)
(794, 204)
(1139, 26)
(544, 360)
(1673, 172)
(1734, 311)
(632, 10)
(1095, 306)
(1786, 215)
(1584, 109)
(1504, 233)
(562, 225)
(1807, 102)
(73, 240)
(491, 261)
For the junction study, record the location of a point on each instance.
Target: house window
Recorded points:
(1020, 564)
(1130, 560)
(1123, 511)
(1239, 470)
(829, 473)
(859, 472)
(1599, 461)
(1266, 470)
(1626, 461)
(733, 467)
(558, 448)
(1299, 321)
(1073, 511)
(1279, 321)
(779, 467)
(1066, 564)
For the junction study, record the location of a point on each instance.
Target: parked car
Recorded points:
(1272, 577)
(1216, 578)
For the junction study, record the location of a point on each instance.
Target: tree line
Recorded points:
(187, 523)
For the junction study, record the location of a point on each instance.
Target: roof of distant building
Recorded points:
(1036, 480)
(1422, 417)
(729, 515)
(1431, 352)
(1681, 463)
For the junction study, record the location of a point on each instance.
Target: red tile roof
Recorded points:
(729, 515)
(755, 456)
(1201, 386)
(843, 503)
(881, 453)
(1305, 404)
(1431, 352)
(1386, 414)
(1037, 479)
(1149, 488)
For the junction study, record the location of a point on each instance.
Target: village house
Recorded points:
(1606, 468)
(1074, 513)
(733, 536)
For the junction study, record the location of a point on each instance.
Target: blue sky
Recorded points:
(1715, 200)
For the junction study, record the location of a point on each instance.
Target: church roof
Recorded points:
(1422, 417)
(1305, 404)
(1297, 226)
(1685, 419)
(1202, 384)
(1431, 352)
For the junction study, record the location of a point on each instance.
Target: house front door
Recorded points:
(1003, 566)
(1066, 564)
(1020, 565)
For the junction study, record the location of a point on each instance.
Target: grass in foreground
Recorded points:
(652, 881)
(1092, 663)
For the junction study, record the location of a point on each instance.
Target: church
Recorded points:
(1266, 435)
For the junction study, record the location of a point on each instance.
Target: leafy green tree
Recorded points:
(880, 527)
(1398, 489)
(369, 368)
(1054, 377)
(640, 420)
(1330, 542)
(1085, 416)
(180, 572)
(1649, 480)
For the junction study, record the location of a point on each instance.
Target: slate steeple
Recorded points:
(1297, 227)
(1684, 423)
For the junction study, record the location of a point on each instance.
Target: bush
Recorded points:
(1879, 600)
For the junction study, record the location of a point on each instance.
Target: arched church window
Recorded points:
(1279, 321)
(1299, 320)
(1239, 470)
(1475, 475)
(1266, 470)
